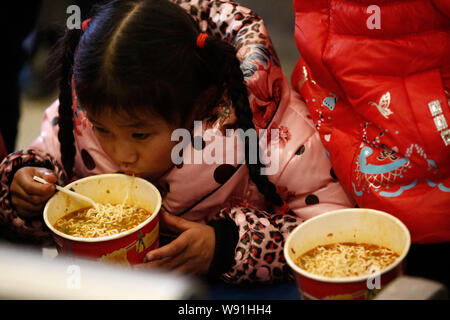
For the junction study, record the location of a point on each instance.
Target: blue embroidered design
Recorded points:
(432, 163)
(399, 191)
(374, 169)
(440, 186)
(358, 193)
(330, 102)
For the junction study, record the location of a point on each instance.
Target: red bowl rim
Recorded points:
(114, 236)
(346, 279)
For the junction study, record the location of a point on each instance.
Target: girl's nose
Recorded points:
(125, 155)
(126, 159)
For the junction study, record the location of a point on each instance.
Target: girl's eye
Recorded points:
(140, 136)
(101, 130)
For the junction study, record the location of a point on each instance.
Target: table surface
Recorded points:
(224, 291)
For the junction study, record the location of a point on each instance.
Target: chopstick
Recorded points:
(68, 192)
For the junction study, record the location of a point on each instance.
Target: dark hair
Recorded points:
(135, 54)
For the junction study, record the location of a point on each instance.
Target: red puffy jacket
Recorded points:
(376, 80)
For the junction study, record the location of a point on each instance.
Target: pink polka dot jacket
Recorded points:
(210, 193)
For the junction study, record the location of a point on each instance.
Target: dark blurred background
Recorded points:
(279, 18)
(33, 31)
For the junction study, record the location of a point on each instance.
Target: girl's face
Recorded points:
(140, 146)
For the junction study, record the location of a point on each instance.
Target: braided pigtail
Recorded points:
(63, 56)
(233, 79)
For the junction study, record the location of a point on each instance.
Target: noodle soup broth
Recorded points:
(112, 236)
(346, 254)
(106, 221)
(346, 259)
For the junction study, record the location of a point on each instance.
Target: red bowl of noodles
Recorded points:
(348, 254)
(122, 231)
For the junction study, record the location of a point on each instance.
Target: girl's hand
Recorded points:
(29, 196)
(191, 252)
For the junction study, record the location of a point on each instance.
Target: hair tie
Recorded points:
(85, 24)
(284, 208)
(201, 39)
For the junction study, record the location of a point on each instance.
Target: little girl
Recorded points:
(140, 70)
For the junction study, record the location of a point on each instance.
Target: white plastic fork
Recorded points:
(68, 192)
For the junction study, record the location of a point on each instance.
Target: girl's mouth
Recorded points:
(131, 173)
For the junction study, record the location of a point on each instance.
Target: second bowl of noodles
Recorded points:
(122, 229)
(347, 254)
